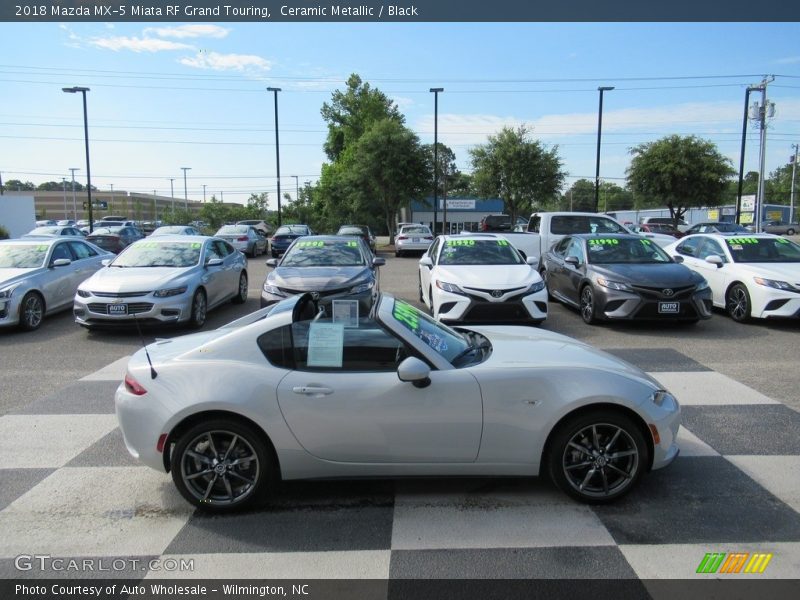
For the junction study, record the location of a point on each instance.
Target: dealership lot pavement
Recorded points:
(71, 490)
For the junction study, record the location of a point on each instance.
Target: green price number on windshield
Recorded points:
(352, 244)
(604, 242)
(310, 244)
(405, 314)
(742, 240)
(460, 242)
(502, 242)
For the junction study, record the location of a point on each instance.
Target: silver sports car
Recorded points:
(289, 392)
(162, 280)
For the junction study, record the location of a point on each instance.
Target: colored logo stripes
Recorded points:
(734, 562)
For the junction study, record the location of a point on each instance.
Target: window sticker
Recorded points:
(460, 242)
(436, 342)
(736, 246)
(646, 242)
(782, 241)
(502, 242)
(352, 244)
(405, 314)
(603, 241)
(741, 240)
(346, 312)
(41, 248)
(316, 244)
(325, 344)
(196, 244)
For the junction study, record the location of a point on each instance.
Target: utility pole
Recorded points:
(741, 154)
(275, 91)
(794, 168)
(435, 92)
(74, 202)
(1, 184)
(601, 89)
(763, 112)
(64, 185)
(111, 207)
(204, 193)
(185, 192)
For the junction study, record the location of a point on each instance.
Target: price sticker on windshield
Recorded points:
(310, 244)
(741, 240)
(196, 244)
(502, 242)
(604, 242)
(460, 242)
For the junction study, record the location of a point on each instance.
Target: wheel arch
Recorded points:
(191, 420)
(605, 406)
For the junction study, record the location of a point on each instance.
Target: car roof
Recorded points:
(621, 236)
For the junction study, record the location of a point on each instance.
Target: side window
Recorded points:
(561, 247)
(276, 345)
(689, 246)
(434, 249)
(534, 223)
(222, 249)
(710, 248)
(61, 251)
(576, 249)
(212, 251)
(367, 347)
(81, 250)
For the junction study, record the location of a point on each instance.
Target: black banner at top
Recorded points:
(404, 11)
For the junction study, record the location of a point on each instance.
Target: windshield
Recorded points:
(571, 224)
(159, 254)
(45, 231)
(291, 230)
(168, 230)
(105, 231)
(418, 229)
(479, 252)
(624, 250)
(324, 253)
(763, 250)
(450, 344)
(22, 256)
(228, 229)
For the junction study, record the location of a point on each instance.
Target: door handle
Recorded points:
(311, 390)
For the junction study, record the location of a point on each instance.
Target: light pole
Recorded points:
(599, 131)
(204, 193)
(185, 193)
(791, 198)
(83, 90)
(64, 185)
(74, 203)
(275, 91)
(172, 192)
(155, 208)
(741, 154)
(111, 204)
(435, 92)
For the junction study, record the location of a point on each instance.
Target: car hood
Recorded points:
(317, 279)
(649, 275)
(10, 275)
(133, 279)
(487, 276)
(789, 272)
(527, 347)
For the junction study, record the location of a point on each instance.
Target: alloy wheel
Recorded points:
(31, 311)
(587, 304)
(738, 303)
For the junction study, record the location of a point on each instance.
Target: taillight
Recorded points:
(133, 386)
(402, 237)
(427, 237)
(244, 238)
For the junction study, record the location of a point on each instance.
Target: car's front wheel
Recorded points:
(31, 311)
(737, 303)
(241, 292)
(419, 287)
(199, 310)
(587, 307)
(790, 232)
(221, 465)
(597, 457)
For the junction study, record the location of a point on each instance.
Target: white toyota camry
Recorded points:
(301, 394)
(480, 278)
(756, 275)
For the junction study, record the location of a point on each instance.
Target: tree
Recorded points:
(518, 169)
(352, 112)
(386, 170)
(614, 197)
(580, 196)
(16, 184)
(779, 185)
(680, 173)
(257, 206)
(461, 185)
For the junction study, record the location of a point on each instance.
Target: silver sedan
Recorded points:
(39, 277)
(289, 392)
(169, 279)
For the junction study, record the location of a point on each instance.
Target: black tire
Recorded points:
(398, 253)
(214, 477)
(241, 292)
(419, 288)
(199, 309)
(430, 299)
(737, 303)
(586, 305)
(790, 232)
(597, 475)
(31, 311)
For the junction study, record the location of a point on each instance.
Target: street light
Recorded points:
(185, 193)
(435, 92)
(297, 191)
(64, 184)
(275, 91)
(83, 90)
(74, 204)
(599, 130)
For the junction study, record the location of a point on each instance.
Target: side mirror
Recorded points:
(531, 260)
(572, 260)
(414, 370)
(214, 262)
(678, 258)
(272, 262)
(714, 259)
(61, 262)
(426, 261)
(378, 262)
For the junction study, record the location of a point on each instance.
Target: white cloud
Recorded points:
(226, 62)
(402, 102)
(136, 44)
(196, 30)
(789, 60)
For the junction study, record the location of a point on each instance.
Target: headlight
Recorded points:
(5, 293)
(663, 399)
(449, 287)
(84, 293)
(614, 285)
(274, 290)
(703, 285)
(169, 292)
(536, 287)
(773, 283)
(362, 287)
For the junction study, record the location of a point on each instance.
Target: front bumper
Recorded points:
(9, 309)
(365, 299)
(480, 307)
(646, 304)
(145, 309)
(770, 303)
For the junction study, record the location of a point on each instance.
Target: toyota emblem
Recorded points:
(667, 292)
(497, 293)
(315, 295)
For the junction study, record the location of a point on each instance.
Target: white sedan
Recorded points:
(292, 393)
(480, 278)
(754, 275)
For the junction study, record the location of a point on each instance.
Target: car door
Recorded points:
(215, 277)
(58, 283)
(232, 267)
(717, 276)
(574, 274)
(86, 262)
(426, 273)
(344, 401)
(556, 268)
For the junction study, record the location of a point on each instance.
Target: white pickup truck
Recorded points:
(547, 228)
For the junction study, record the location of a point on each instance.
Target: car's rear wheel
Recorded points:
(597, 457)
(31, 311)
(222, 465)
(241, 294)
(546, 278)
(790, 232)
(199, 310)
(587, 307)
(737, 303)
(419, 287)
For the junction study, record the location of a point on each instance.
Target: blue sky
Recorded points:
(165, 96)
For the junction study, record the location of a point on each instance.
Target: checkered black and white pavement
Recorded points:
(71, 490)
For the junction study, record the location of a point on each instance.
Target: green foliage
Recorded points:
(4, 235)
(178, 216)
(16, 184)
(779, 185)
(679, 173)
(518, 169)
(579, 197)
